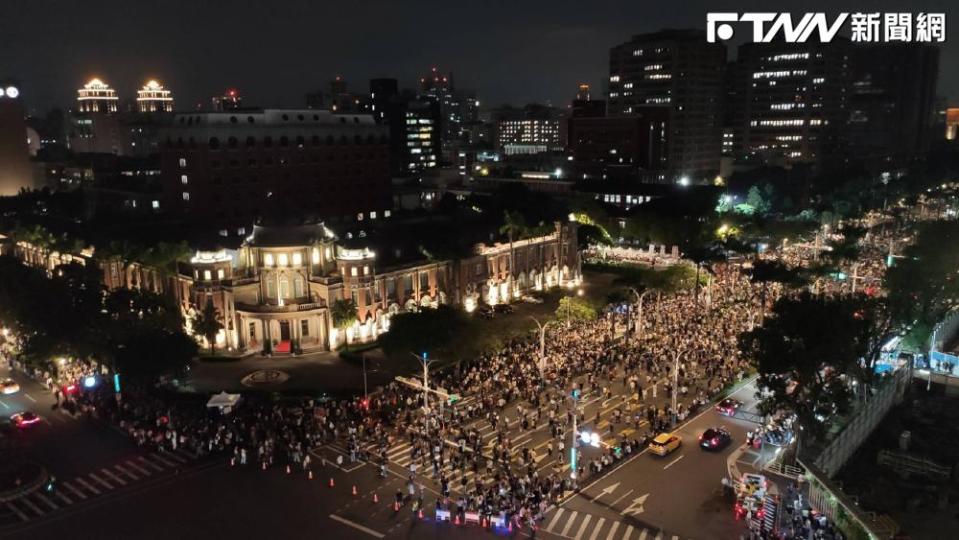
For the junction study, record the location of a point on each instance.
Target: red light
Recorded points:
(70, 389)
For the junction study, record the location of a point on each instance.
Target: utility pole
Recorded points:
(676, 383)
(542, 344)
(639, 320)
(426, 374)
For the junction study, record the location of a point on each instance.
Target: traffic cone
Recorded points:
(421, 513)
(331, 482)
(288, 469)
(456, 519)
(509, 528)
(396, 506)
(376, 498)
(309, 474)
(354, 489)
(483, 522)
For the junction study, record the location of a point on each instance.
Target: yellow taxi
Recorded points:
(664, 443)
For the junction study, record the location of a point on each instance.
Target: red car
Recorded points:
(24, 419)
(728, 406)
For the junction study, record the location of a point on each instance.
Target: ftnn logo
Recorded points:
(864, 27)
(767, 25)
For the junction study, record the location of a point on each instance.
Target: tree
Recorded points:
(343, 312)
(755, 199)
(573, 308)
(805, 353)
(513, 226)
(206, 324)
(430, 330)
(703, 255)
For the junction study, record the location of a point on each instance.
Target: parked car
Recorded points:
(715, 439)
(9, 386)
(484, 311)
(504, 309)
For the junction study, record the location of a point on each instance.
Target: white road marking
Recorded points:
(621, 497)
(582, 528)
(162, 459)
(28, 396)
(4, 404)
(74, 490)
(597, 528)
(114, 477)
(100, 481)
(18, 512)
(141, 470)
(673, 462)
(629, 531)
(357, 526)
(31, 506)
(176, 457)
(642, 535)
(559, 512)
(84, 483)
(126, 472)
(47, 501)
(569, 522)
(612, 530)
(151, 464)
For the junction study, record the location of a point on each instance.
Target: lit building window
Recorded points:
(372, 215)
(316, 256)
(268, 259)
(186, 196)
(206, 275)
(184, 180)
(353, 271)
(283, 259)
(359, 217)
(366, 270)
(182, 162)
(156, 205)
(219, 273)
(297, 259)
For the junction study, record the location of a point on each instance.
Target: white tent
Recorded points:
(225, 402)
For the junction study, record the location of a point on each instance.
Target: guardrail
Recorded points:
(853, 521)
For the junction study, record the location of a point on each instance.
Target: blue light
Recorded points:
(89, 381)
(116, 382)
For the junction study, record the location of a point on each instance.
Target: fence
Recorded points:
(853, 521)
(862, 423)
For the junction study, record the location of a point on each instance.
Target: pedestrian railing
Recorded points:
(840, 509)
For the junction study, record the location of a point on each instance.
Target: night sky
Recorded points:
(516, 51)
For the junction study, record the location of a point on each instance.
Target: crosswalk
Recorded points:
(575, 525)
(38, 504)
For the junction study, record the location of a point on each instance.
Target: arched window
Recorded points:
(298, 291)
(250, 142)
(268, 141)
(329, 139)
(214, 143)
(232, 142)
(300, 141)
(315, 140)
(284, 288)
(284, 141)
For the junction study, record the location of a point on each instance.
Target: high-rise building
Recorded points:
(952, 124)
(421, 135)
(382, 93)
(534, 129)
(791, 103)
(891, 103)
(15, 170)
(679, 70)
(226, 169)
(440, 88)
(638, 141)
(231, 100)
(153, 97)
(96, 97)
(583, 92)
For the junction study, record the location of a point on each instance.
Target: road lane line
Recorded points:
(659, 535)
(746, 384)
(28, 396)
(100, 481)
(74, 490)
(612, 530)
(621, 497)
(642, 535)
(84, 483)
(569, 522)
(559, 512)
(597, 528)
(629, 532)
(582, 528)
(4, 404)
(356, 526)
(114, 477)
(18, 512)
(673, 462)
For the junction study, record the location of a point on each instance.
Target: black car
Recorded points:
(484, 311)
(504, 309)
(715, 439)
(728, 406)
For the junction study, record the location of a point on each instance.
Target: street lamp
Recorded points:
(569, 306)
(639, 320)
(676, 383)
(426, 370)
(542, 343)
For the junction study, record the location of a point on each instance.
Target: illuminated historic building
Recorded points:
(153, 97)
(97, 97)
(274, 292)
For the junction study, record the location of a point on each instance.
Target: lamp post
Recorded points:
(541, 364)
(569, 306)
(575, 394)
(424, 359)
(639, 313)
(366, 394)
(676, 383)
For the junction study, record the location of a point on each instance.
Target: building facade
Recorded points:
(678, 70)
(228, 168)
(153, 97)
(638, 140)
(533, 129)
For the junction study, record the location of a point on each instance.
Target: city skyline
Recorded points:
(285, 60)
